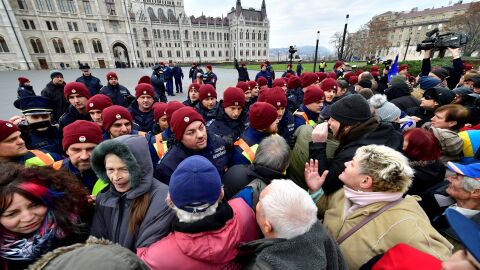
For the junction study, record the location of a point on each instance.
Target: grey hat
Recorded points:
(450, 142)
(387, 111)
(351, 110)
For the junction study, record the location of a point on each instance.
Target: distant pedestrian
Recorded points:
(178, 76)
(242, 71)
(299, 68)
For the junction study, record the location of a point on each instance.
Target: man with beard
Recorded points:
(263, 122)
(91, 82)
(54, 91)
(192, 138)
(119, 94)
(37, 129)
(142, 108)
(79, 140)
(13, 148)
(77, 95)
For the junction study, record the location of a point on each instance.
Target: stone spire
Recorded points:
(264, 9)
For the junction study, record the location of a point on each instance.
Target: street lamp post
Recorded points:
(408, 45)
(343, 38)
(316, 52)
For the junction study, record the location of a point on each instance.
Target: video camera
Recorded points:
(387, 64)
(437, 42)
(292, 50)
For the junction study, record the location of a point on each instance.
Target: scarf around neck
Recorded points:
(30, 248)
(358, 199)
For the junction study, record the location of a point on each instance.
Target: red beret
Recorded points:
(233, 96)
(332, 75)
(81, 131)
(114, 113)
(209, 67)
(244, 86)
(144, 89)
(338, 64)
(276, 96)
(144, 79)
(288, 75)
(401, 67)
(111, 74)
(308, 78)
(358, 72)
(7, 129)
(313, 94)
(181, 119)
(75, 88)
(252, 84)
(262, 115)
(172, 106)
(329, 84)
(374, 68)
(375, 73)
(321, 76)
(23, 80)
(467, 66)
(294, 82)
(262, 81)
(206, 91)
(280, 82)
(262, 94)
(99, 102)
(159, 110)
(353, 80)
(194, 86)
(262, 65)
(348, 75)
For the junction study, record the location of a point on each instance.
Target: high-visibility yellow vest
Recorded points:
(40, 159)
(305, 116)
(99, 184)
(248, 151)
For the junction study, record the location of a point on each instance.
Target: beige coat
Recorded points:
(405, 222)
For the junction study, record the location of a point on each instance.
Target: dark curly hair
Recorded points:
(71, 210)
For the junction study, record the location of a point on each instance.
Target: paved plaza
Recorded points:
(127, 77)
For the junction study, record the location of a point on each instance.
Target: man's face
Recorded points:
(315, 106)
(329, 95)
(162, 122)
(195, 136)
(248, 95)
(209, 102)
(234, 111)
(455, 189)
(193, 94)
(145, 102)
(79, 154)
(86, 72)
(273, 128)
(57, 80)
(31, 119)
(255, 91)
(120, 127)
(262, 222)
(113, 81)
(440, 121)
(12, 146)
(280, 112)
(96, 116)
(78, 101)
(264, 68)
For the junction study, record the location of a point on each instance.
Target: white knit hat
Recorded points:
(387, 111)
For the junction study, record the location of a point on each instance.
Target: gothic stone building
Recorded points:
(43, 34)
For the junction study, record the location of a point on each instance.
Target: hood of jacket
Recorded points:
(133, 150)
(398, 89)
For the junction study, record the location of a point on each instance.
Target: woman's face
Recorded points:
(351, 176)
(193, 94)
(23, 216)
(117, 172)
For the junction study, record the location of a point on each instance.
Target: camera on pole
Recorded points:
(292, 50)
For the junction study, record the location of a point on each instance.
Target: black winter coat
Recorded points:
(119, 94)
(242, 72)
(71, 116)
(55, 94)
(427, 174)
(25, 91)
(144, 120)
(370, 132)
(225, 127)
(92, 83)
(423, 114)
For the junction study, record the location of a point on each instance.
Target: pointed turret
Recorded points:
(264, 9)
(238, 8)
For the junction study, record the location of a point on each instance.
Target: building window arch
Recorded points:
(145, 32)
(247, 35)
(253, 35)
(97, 46)
(37, 46)
(78, 45)
(3, 45)
(241, 34)
(58, 45)
(186, 34)
(259, 37)
(265, 35)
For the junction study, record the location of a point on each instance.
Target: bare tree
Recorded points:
(377, 39)
(468, 23)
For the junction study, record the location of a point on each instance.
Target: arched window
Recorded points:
(259, 35)
(3, 45)
(145, 32)
(58, 45)
(241, 34)
(264, 52)
(171, 15)
(135, 33)
(161, 15)
(253, 35)
(247, 36)
(168, 34)
(248, 52)
(241, 52)
(265, 35)
(213, 53)
(253, 52)
(186, 34)
(78, 45)
(97, 46)
(164, 33)
(37, 45)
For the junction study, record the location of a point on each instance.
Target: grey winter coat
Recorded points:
(112, 208)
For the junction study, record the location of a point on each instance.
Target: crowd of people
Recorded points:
(348, 169)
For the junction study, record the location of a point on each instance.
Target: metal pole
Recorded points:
(316, 51)
(343, 38)
(406, 51)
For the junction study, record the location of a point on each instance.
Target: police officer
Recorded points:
(277, 98)
(118, 93)
(96, 105)
(91, 82)
(208, 105)
(158, 81)
(229, 121)
(192, 138)
(309, 111)
(79, 140)
(263, 122)
(142, 108)
(13, 148)
(168, 72)
(178, 76)
(37, 129)
(77, 95)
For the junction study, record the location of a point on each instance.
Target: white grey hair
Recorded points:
(188, 217)
(274, 153)
(289, 209)
(470, 184)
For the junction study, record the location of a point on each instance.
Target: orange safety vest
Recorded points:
(307, 121)
(46, 159)
(160, 145)
(248, 152)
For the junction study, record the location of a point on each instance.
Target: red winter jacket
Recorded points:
(205, 250)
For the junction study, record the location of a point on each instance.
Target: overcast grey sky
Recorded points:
(296, 22)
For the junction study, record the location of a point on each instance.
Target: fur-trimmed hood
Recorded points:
(133, 150)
